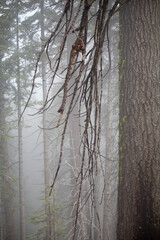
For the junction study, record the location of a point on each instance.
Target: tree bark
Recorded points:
(139, 135)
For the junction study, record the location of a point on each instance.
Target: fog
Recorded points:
(55, 161)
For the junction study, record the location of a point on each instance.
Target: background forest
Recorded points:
(79, 120)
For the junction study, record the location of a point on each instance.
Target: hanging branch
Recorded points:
(86, 58)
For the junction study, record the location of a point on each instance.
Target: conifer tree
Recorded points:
(6, 191)
(139, 124)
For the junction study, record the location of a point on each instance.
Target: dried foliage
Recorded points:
(88, 21)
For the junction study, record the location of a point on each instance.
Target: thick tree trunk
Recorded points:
(139, 135)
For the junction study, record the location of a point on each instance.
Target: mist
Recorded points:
(79, 120)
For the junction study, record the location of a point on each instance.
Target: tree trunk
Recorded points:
(20, 143)
(97, 213)
(111, 162)
(77, 223)
(7, 230)
(7, 194)
(139, 135)
(109, 171)
(45, 137)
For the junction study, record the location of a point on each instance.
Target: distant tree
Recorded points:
(111, 126)
(45, 136)
(86, 63)
(139, 123)
(20, 127)
(7, 230)
(37, 26)
(15, 61)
